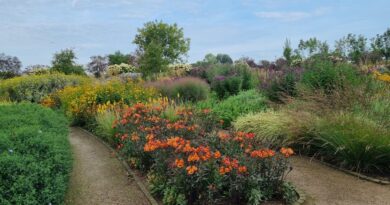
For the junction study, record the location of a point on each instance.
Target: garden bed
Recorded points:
(142, 180)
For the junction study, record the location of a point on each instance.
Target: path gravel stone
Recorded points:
(327, 186)
(98, 177)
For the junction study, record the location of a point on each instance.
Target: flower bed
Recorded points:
(188, 162)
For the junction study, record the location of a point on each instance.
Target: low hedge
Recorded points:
(35, 155)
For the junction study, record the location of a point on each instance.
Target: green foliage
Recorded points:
(276, 128)
(287, 52)
(312, 47)
(7, 75)
(34, 88)
(255, 197)
(352, 47)
(234, 106)
(382, 44)
(227, 80)
(353, 141)
(160, 44)
(224, 59)
(278, 85)
(118, 58)
(64, 61)
(289, 193)
(327, 76)
(104, 121)
(35, 155)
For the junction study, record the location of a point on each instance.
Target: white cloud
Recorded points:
(290, 16)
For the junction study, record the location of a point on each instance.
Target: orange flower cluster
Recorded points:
(229, 165)
(287, 152)
(179, 163)
(191, 170)
(181, 124)
(262, 153)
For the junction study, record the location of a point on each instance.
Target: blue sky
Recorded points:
(35, 29)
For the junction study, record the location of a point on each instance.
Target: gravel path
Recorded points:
(97, 176)
(327, 186)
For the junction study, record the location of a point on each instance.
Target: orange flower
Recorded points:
(242, 169)
(191, 170)
(223, 170)
(217, 154)
(187, 147)
(264, 153)
(179, 163)
(193, 157)
(150, 137)
(286, 151)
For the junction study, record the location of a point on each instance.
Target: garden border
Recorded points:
(140, 184)
(356, 174)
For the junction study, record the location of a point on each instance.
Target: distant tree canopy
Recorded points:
(64, 61)
(381, 44)
(224, 59)
(211, 59)
(160, 44)
(10, 64)
(118, 58)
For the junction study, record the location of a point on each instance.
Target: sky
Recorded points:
(33, 30)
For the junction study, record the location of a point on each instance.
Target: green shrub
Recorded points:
(227, 80)
(34, 88)
(234, 106)
(186, 89)
(278, 85)
(327, 76)
(352, 141)
(35, 155)
(7, 75)
(276, 128)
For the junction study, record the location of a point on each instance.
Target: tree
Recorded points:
(160, 44)
(10, 64)
(64, 61)
(210, 59)
(352, 47)
(381, 44)
(287, 51)
(98, 65)
(224, 58)
(118, 58)
(312, 46)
